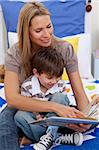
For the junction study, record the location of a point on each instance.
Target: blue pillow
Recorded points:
(67, 17)
(11, 11)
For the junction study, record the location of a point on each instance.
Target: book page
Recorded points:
(92, 111)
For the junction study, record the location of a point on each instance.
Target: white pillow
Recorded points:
(83, 54)
(12, 38)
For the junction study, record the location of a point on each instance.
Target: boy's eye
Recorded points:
(49, 77)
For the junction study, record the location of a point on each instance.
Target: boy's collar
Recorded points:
(36, 87)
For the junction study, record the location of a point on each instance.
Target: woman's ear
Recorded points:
(35, 72)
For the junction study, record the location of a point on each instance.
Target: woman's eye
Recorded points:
(37, 31)
(49, 26)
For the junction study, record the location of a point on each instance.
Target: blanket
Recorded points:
(91, 87)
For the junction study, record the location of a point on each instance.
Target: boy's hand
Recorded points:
(39, 117)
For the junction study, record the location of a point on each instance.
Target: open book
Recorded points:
(60, 121)
(92, 113)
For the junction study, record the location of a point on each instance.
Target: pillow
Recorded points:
(83, 54)
(74, 41)
(12, 38)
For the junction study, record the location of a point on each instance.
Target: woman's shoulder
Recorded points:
(60, 42)
(14, 50)
(62, 45)
(13, 58)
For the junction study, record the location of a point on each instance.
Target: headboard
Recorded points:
(68, 17)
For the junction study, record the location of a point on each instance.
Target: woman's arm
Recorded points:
(77, 86)
(16, 100)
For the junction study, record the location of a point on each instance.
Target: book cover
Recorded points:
(60, 121)
(91, 111)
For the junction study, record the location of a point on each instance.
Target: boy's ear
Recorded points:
(35, 72)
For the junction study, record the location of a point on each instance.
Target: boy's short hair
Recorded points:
(49, 61)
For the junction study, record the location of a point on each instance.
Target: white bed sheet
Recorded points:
(91, 87)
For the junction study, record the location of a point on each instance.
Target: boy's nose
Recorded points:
(54, 81)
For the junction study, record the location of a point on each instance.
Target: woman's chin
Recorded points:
(46, 44)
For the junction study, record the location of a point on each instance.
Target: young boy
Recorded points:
(45, 84)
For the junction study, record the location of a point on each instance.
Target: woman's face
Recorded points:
(41, 30)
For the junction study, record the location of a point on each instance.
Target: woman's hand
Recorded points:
(95, 99)
(68, 112)
(78, 127)
(71, 112)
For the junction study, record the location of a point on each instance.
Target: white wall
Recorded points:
(95, 25)
(92, 24)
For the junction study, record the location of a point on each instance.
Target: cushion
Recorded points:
(83, 53)
(74, 41)
(12, 38)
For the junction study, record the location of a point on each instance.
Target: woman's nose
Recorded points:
(46, 33)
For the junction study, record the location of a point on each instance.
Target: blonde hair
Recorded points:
(27, 13)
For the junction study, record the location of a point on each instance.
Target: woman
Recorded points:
(35, 30)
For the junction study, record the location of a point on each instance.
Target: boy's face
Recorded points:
(46, 81)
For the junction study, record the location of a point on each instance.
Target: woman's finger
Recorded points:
(76, 127)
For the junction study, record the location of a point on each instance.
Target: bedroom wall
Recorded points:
(92, 24)
(95, 25)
